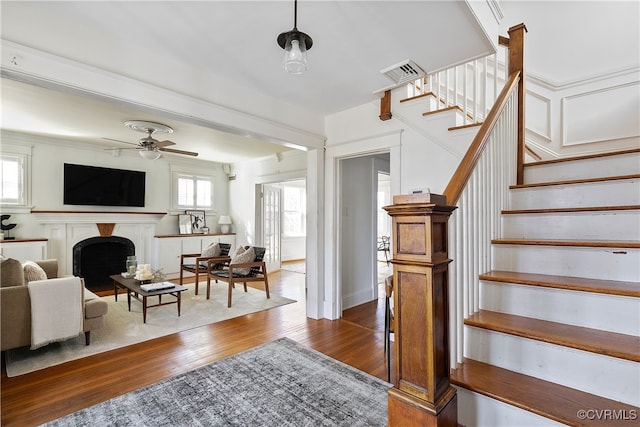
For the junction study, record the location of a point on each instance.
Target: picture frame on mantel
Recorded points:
(197, 221)
(184, 224)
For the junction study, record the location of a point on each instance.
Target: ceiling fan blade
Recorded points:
(166, 143)
(171, 150)
(124, 142)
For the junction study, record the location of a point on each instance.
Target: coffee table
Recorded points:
(134, 290)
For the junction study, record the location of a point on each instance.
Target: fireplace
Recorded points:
(97, 258)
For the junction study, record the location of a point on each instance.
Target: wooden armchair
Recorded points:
(232, 273)
(202, 264)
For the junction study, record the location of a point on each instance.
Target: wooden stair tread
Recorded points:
(588, 156)
(610, 287)
(572, 209)
(550, 400)
(575, 181)
(422, 95)
(469, 125)
(628, 244)
(587, 339)
(442, 110)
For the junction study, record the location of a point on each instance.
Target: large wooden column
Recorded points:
(422, 394)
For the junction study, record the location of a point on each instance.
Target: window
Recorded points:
(194, 191)
(13, 172)
(295, 211)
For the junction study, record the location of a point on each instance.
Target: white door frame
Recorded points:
(328, 291)
(272, 179)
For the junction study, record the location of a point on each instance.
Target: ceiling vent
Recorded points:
(403, 72)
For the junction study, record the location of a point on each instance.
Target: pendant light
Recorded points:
(295, 44)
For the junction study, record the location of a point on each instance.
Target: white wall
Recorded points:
(49, 155)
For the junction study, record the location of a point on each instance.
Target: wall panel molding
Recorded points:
(601, 115)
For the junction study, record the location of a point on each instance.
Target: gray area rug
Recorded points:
(125, 327)
(279, 383)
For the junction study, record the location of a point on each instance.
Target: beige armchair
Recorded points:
(15, 305)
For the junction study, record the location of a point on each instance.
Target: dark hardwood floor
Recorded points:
(45, 395)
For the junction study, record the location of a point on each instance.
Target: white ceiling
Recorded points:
(193, 48)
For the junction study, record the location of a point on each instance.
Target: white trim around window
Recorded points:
(16, 179)
(192, 190)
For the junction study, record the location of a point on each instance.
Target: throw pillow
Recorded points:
(211, 250)
(240, 258)
(11, 273)
(33, 271)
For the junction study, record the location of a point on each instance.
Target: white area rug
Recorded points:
(125, 328)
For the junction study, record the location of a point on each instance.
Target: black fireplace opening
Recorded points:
(97, 258)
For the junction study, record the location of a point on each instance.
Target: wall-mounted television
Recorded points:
(92, 185)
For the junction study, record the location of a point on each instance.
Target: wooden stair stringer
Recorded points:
(550, 400)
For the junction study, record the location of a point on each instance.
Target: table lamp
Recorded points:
(224, 221)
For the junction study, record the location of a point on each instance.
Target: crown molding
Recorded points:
(557, 86)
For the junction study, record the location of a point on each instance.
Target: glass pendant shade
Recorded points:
(295, 56)
(295, 44)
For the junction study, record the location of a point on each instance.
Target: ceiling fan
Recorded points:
(150, 148)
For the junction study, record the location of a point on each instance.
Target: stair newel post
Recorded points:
(422, 394)
(516, 64)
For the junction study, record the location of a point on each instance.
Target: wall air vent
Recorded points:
(403, 72)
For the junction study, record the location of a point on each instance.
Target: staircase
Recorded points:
(556, 338)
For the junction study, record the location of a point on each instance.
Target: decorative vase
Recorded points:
(132, 264)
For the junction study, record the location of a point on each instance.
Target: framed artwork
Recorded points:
(184, 224)
(197, 221)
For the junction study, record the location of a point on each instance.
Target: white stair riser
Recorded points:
(623, 192)
(601, 225)
(475, 409)
(612, 313)
(605, 376)
(628, 164)
(596, 263)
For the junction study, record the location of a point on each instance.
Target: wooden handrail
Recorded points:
(470, 159)
(532, 153)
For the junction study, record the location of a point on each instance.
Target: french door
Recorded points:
(271, 224)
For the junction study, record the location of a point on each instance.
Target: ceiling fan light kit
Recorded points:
(149, 147)
(295, 44)
(150, 153)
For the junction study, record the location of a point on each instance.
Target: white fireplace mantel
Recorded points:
(96, 217)
(64, 229)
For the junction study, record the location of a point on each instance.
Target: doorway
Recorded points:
(360, 225)
(282, 224)
(383, 230)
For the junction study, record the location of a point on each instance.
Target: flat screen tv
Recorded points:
(92, 185)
